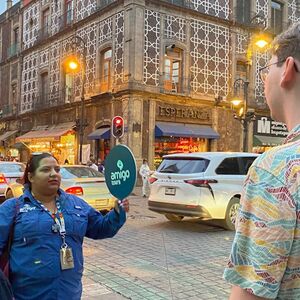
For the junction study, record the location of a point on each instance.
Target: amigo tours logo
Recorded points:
(119, 176)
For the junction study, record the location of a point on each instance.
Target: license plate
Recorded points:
(170, 191)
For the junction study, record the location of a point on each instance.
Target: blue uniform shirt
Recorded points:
(35, 253)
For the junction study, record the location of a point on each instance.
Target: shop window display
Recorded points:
(171, 145)
(62, 149)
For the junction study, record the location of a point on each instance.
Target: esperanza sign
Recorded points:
(120, 171)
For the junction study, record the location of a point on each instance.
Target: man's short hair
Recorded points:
(287, 44)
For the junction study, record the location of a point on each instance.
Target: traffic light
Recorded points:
(117, 127)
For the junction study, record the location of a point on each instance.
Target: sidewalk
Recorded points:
(96, 291)
(137, 191)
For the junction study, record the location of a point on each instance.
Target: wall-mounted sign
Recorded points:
(181, 113)
(267, 127)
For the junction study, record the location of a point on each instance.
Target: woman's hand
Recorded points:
(125, 205)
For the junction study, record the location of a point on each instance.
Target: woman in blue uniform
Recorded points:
(46, 260)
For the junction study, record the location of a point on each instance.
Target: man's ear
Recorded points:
(289, 73)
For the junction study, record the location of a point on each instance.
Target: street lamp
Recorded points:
(261, 41)
(244, 116)
(73, 65)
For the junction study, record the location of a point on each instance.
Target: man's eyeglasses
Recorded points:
(264, 71)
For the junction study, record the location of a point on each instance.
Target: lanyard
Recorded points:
(60, 223)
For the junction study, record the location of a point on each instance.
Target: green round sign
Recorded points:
(120, 171)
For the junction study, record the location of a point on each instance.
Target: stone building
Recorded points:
(167, 67)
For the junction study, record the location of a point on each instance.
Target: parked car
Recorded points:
(204, 185)
(9, 173)
(82, 181)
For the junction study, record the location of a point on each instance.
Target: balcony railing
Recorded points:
(44, 101)
(8, 110)
(13, 50)
(181, 3)
(44, 33)
(104, 3)
(66, 19)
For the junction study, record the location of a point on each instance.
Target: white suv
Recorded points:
(205, 185)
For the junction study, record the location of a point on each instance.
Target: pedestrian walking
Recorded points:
(46, 259)
(145, 173)
(265, 257)
(101, 167)
(92, 164)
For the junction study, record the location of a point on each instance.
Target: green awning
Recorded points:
(263, 140)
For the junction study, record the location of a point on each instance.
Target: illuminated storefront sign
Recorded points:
(182, 112)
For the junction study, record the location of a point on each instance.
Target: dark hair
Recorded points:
(32, 164)
(287, 44)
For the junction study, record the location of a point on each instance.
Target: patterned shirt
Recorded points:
(265, 256)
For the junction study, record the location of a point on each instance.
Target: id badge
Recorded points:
(66, 258)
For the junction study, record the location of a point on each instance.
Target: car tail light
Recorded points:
(2, 179)
(201, 182)
(152, 179)
(75, 190)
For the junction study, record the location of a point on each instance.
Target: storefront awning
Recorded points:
(184, 130)
(7, 135)
(263, 140)
(100, 133)
(52, 133)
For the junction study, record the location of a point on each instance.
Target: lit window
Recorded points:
(105, 77)
(173, 70)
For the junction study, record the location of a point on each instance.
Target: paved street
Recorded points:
(152, 258)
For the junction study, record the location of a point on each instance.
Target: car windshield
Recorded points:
(11, 168)
(183, 165)
(79, 172)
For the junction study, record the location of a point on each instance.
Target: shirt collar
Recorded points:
(27, 194)
(294, 133)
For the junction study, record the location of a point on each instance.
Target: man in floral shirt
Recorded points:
(265, 257)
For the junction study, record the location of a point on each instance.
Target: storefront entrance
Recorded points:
(173, 138)
(59, 140)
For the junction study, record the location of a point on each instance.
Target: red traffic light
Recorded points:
(117, 126)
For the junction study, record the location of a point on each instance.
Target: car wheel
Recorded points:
(9, 194)
(173, 218)
(231, 214)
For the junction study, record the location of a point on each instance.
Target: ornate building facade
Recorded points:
(166, 67)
